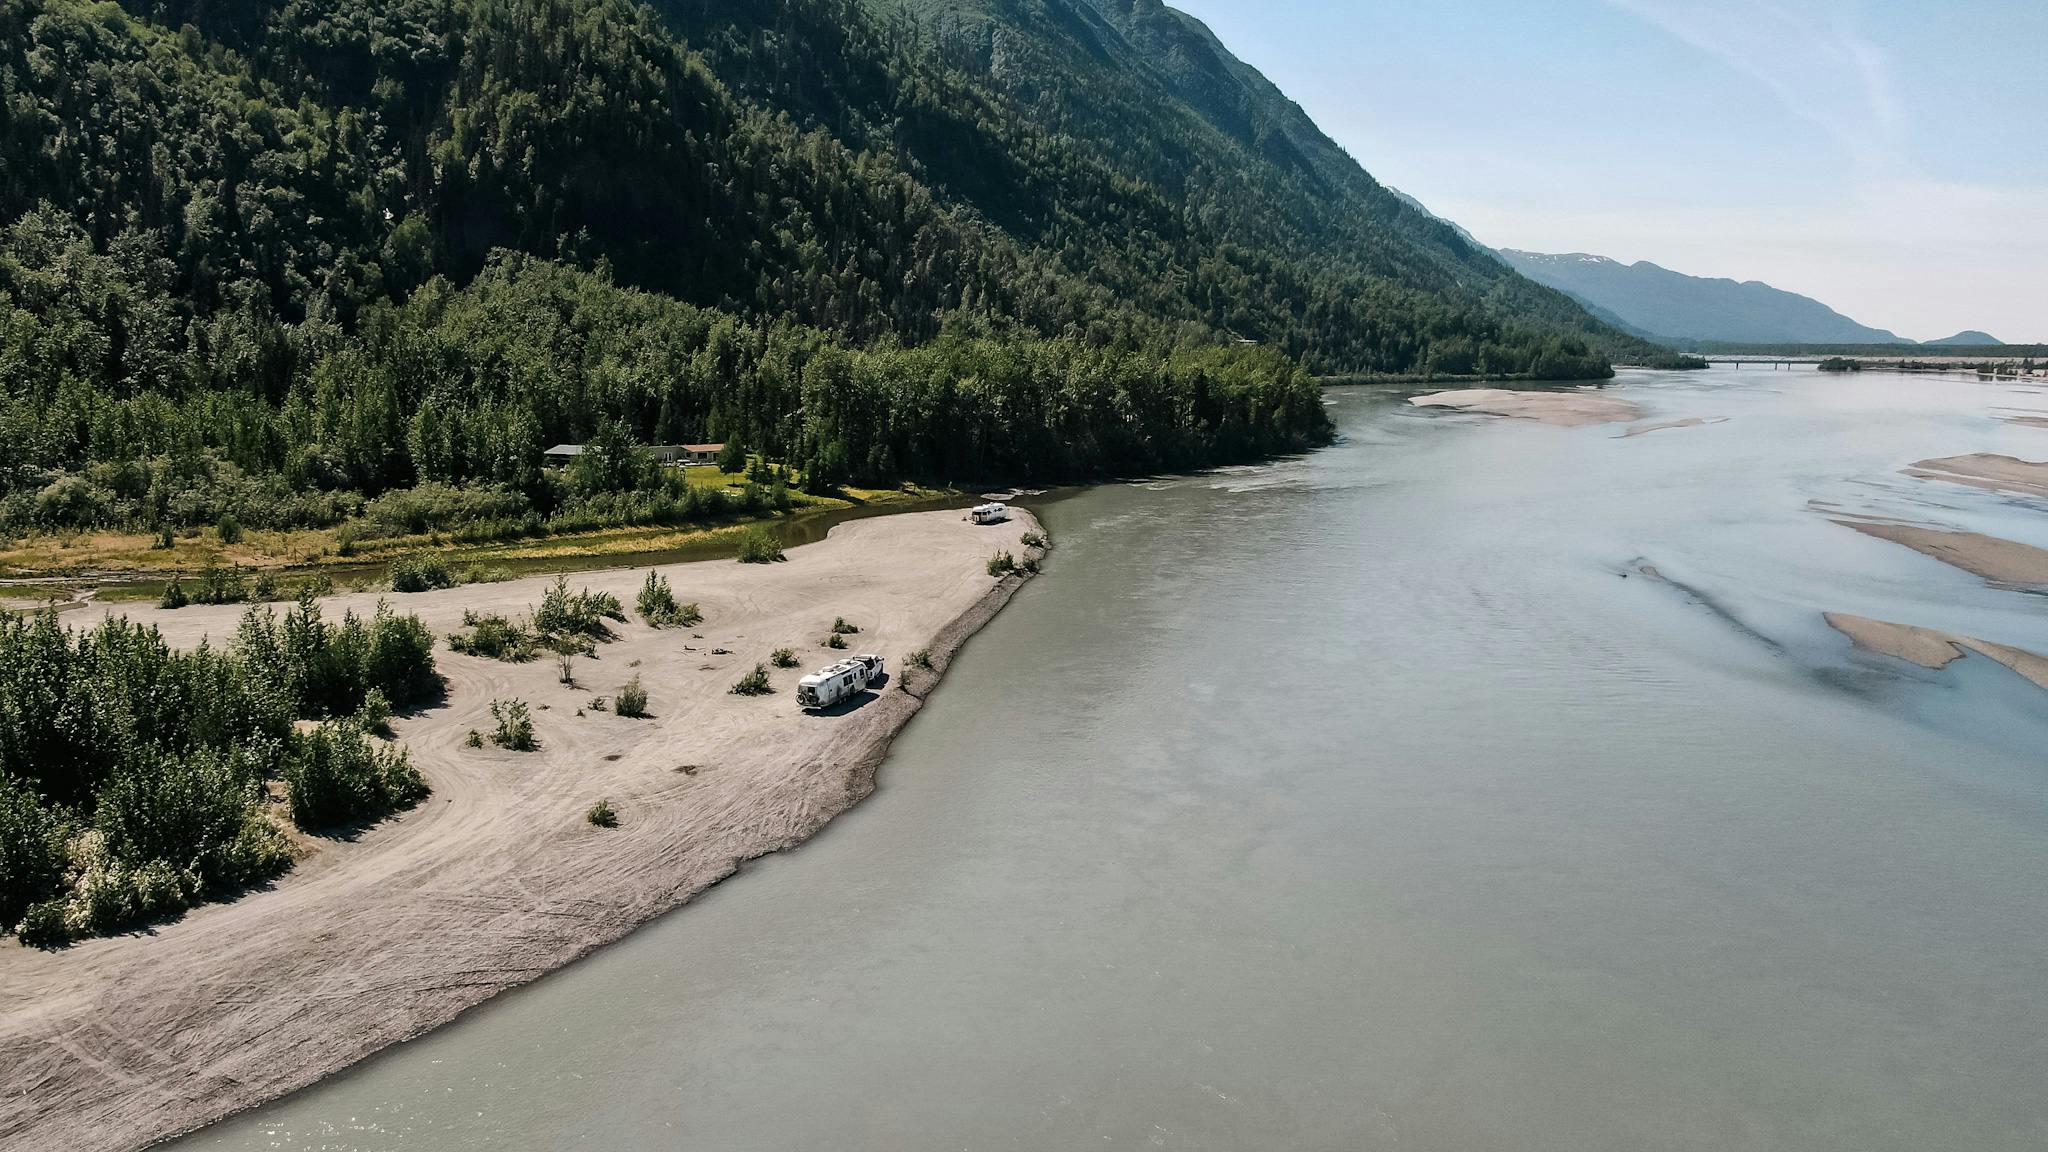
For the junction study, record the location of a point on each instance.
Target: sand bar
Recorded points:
(2006, 563)
(1933, 649)
(496, 879)
(1989, 472)
(1575, 409)
(1688, 422)
(2028, 421)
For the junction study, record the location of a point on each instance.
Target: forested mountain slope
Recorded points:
(272, 259)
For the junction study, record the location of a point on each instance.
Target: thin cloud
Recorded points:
(1818, 64)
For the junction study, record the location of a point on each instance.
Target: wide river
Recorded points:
(1360, 802)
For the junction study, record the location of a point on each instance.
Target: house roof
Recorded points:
(703, 447)
(565, 450)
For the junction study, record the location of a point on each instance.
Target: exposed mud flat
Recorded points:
(1930, 648)
(1563, 409)
(1989, 472)
(2006, 563)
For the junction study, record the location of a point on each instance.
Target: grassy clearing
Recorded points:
(350, 547)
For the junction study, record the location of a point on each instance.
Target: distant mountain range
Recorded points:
(1665, 305)
(1969, 337)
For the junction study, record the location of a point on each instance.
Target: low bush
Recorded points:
(566, 614)
(782, 658)
(475, 739)
(228, 528)
(339, 775)
(33, 854)
(1001, 564)
(421, 573)
(221, 586)
(632, 700)
(1033, 540)
(658, 605)
(759, 546)
(754, 683)
(494, 638)
(601, 814)
(515, 726)
(174, 595)
(922, 658)
(841, 628)
(833, 640)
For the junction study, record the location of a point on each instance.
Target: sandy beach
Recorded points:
(1933, 649)
(496, 879)
(1576, 409)
(1989, 472)
(2006, 563)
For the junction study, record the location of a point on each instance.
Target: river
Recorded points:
(1374, 800)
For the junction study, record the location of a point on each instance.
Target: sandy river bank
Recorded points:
(496, 879)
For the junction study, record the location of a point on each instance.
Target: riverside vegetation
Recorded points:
(133, 777)
(314, 264)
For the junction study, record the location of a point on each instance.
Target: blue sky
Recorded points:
(1888, 158)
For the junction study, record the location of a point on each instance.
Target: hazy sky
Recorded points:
(1889, 158)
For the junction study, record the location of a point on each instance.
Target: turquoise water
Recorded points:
(1360, 802)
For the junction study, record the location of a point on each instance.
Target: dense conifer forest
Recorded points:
(273, 260)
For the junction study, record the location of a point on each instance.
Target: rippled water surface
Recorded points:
(1360, 802)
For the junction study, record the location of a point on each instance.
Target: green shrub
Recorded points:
(841, 628)
(515, 726)
(922, 658)
(658, 606)
(833, 640)
(166, 539)
(632, 700)
(229, 528)
(1033, 540)
(338, 775)
(782, 658)
(317, 585)
(754, 683)
(601, 814)
(420, 573)
(565, 614)
(400, 660)
(375, 714)
(759, 546)
(494, 638)
(32, 850)
(42, 925)
(221, 586)
(475, 739)
(174, 595)
(1001, 564)
(599, 704)
(187, 810)
(263, 589)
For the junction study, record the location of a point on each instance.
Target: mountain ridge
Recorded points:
(1669, 305)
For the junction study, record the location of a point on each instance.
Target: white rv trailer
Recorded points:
(828, 686)
(989, 513)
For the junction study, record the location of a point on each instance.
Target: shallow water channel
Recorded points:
(1361, 802)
